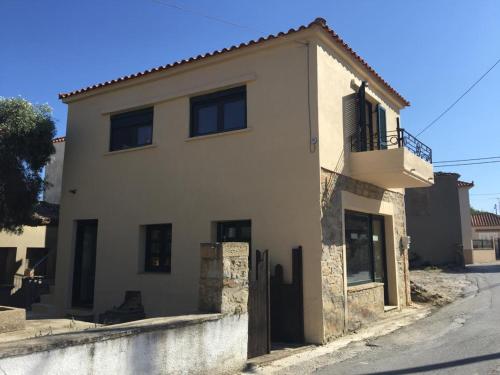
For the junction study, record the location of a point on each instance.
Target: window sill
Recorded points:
(200, 137)
(154, 273)
(131, 149)
(360, 287)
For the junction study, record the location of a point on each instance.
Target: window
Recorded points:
(219, 112)
(234, 231)
(365, 248)
(158, 248)
(131, 129)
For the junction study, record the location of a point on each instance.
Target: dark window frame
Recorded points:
(217, 99)
(166, 251)
(130, 120)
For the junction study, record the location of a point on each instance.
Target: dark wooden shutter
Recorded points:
(382, 128)
(362, 141)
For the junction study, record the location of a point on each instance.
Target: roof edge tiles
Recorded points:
(465, 184)
(317, 22)
(485, 219)
(59, 139)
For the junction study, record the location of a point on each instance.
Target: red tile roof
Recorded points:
(317, 22)
(465, 183)
(485, 219)
(59, 140)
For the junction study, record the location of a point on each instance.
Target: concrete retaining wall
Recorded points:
(197, 344)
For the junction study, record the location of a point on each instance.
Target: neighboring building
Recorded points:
(289, 140)
(486, 236)
(53, 172)
(33, 253)
(438, 221)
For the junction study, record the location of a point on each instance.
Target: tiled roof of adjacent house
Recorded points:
(446, 174)
(465, 183)
(59, 140)
(45, 213)
(317, 22)
(485, 219)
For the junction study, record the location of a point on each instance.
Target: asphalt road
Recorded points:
(461, 338)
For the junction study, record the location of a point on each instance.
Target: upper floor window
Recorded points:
(131, 129)
(219, 112)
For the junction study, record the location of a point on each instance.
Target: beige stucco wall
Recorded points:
(30, 237)
(266, 174)
(465, 219)
(337, 115)
(478, 256)
(484, 233)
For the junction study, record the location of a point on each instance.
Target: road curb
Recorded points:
(393, 321)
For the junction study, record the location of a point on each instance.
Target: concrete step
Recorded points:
(48, 299)
(81, 314)
(44, 308)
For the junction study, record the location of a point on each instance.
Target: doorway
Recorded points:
(8, 266)
(365, 250)
(85, 262)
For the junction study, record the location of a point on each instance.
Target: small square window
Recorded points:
(131, 129)
(158, 248)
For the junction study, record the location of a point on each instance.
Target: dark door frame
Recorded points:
(384, 254)
(76, 299)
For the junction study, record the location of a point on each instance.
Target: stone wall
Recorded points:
(224, 278)
(332, 184)
(366, 303)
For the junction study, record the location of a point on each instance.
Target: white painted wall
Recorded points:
(210, 347)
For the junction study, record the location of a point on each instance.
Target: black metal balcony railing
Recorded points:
(393, 139)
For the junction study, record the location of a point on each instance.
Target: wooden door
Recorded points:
(259, 330)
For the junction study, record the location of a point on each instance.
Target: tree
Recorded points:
(475, 211)
(26, 132)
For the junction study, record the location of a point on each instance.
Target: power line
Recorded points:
(205, 15)
(454, 165)
(454, 161)
(487, 194)
(460, 98)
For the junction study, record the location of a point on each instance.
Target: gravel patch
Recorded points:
(438, 286)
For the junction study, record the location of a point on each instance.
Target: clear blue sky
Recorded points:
(429, 50)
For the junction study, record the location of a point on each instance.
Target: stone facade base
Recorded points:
(347, 310)
(365, 303)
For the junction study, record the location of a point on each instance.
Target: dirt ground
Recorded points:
(438, 286)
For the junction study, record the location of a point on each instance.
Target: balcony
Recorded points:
(397, 160)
